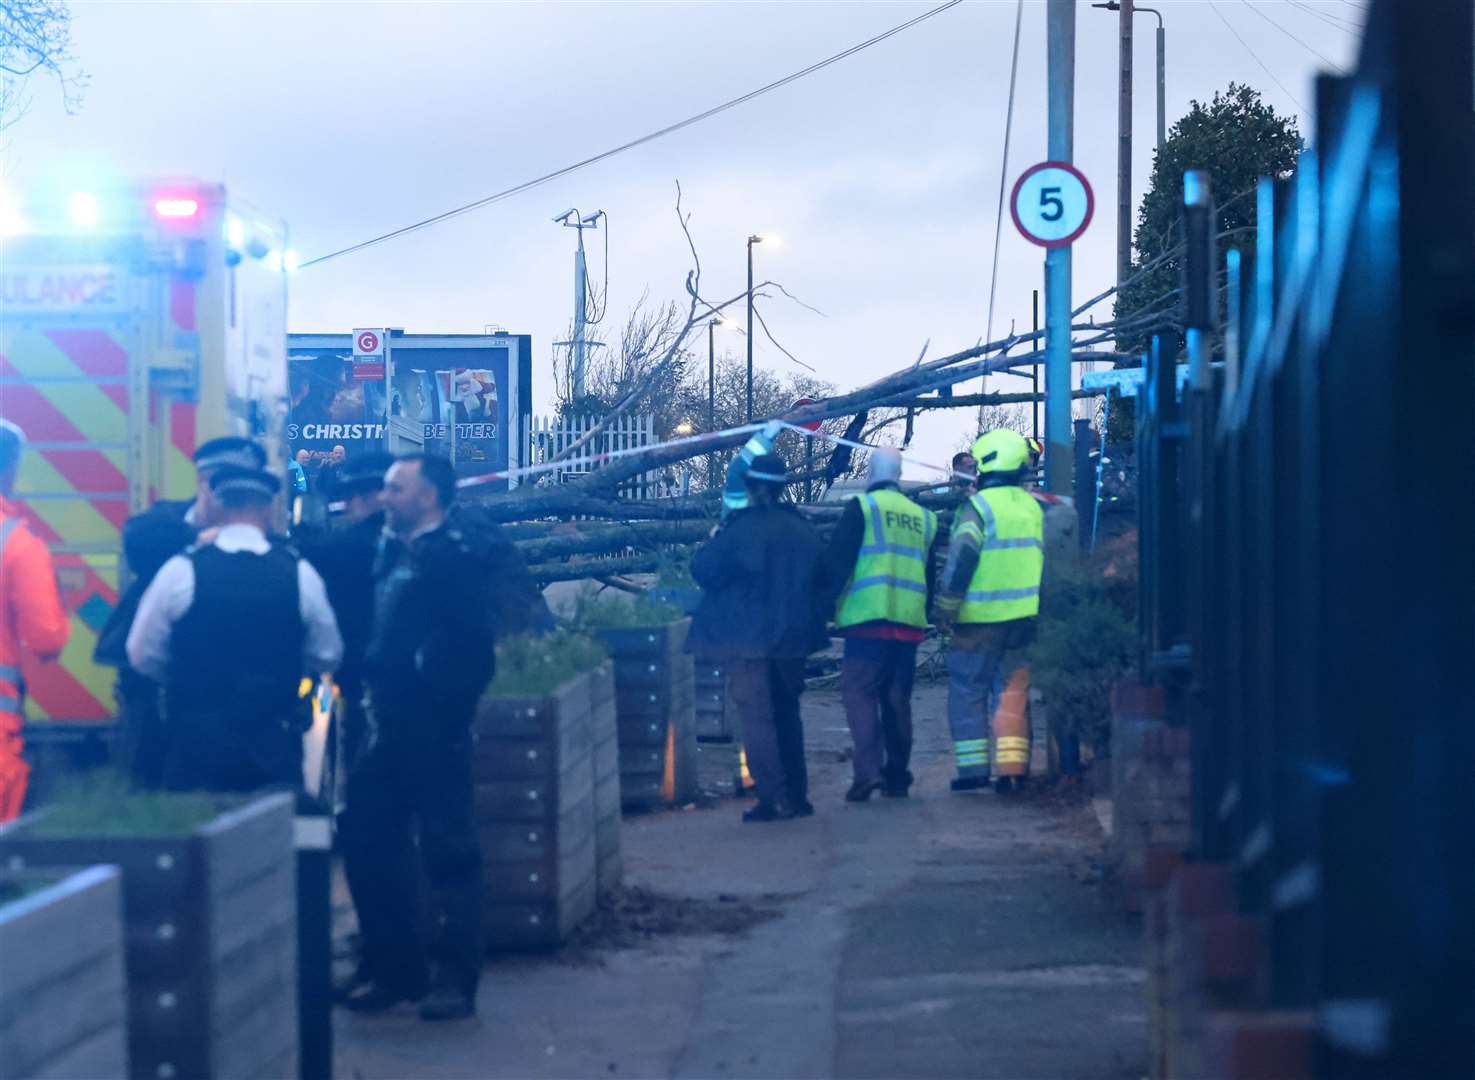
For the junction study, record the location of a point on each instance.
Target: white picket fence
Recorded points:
(548, 436)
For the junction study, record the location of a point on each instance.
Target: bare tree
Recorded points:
(36, 39)
(633, 366)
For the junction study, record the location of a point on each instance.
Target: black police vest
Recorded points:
(234, 667)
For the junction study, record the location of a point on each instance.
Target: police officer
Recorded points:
(991, 589)
(344, 557)
(881, 553)
(150, 539)
(429, 657)
(229, 628)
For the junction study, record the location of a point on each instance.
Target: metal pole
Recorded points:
(1061, 18)
(1034, 374)
(1124, 148)
(750, 329)
(711, 400)
(388, 394)
(1162, 84)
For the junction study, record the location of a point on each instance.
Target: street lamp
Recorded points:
(770, 240)
(718, 319)
(1162, 54)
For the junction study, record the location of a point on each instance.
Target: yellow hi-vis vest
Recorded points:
(1011, 557)
(890, 578)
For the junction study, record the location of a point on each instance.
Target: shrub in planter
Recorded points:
(210, 917)
(61, 974)
(655, 692)
(1083, 646)
(536, 739)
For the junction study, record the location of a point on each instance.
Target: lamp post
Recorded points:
(712, 397)
(1162, 64)
(751, 241)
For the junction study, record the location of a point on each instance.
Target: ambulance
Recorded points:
(137, 320)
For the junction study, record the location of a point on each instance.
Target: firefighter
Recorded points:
(881, 556)
(430, 656)
(761, 615)
(229, 628)
(990, 590)
(32, 621)
(151, 539)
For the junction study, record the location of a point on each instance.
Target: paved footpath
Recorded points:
(941, 936)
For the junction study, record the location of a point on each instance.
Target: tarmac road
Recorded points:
(941, 936)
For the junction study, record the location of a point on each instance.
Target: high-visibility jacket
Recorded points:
(890, 579)
(1011, 556)
(32, 620)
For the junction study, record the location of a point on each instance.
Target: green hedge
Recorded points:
(531, 666)
(1084, 645)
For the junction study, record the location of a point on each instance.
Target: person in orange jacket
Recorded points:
(32, 620)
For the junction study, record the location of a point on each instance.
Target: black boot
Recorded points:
(371, 998)
(447, 1002)
(768, 811)
(970, 783)
(861, 790)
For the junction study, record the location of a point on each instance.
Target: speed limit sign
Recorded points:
(1052, 204)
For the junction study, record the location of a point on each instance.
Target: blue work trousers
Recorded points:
(976, 681)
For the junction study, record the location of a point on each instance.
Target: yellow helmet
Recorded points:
(1000, 452)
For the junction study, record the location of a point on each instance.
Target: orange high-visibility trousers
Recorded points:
(1011, 726)
(14, 773)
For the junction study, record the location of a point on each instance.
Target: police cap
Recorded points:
(230, 450)
(233, 480)
(361, 474)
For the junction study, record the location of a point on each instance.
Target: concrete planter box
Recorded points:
(535, 804)
(605, 727)
(714, 708)
(655, 695)
(210, 918)
(61, 975)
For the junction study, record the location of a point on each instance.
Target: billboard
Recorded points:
(465, 388)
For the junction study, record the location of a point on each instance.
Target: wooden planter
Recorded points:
(61, 976)
(713, 707)
(534, 768)
(604, 720)
(210, 919)
(654, 696)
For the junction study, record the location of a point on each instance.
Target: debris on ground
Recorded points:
(630, 916)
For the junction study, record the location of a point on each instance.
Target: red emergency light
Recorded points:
(175, 207)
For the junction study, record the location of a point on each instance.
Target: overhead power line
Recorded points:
(652, 136)
(1230, 27)
(993, 278)
(1320, 55)
(1331, 20)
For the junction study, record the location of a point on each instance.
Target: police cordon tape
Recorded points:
(612, 455)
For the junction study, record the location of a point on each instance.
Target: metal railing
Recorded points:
(1308, 557)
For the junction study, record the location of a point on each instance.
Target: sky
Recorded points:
(879, 175)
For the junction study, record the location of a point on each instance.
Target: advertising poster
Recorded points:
(335, 416)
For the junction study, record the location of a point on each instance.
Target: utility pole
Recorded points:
(571, 219)
(1162, 80)
(1061, 44)
(1124, 148)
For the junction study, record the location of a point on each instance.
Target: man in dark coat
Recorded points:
(151, 539)
(761, 614)
(429, 657)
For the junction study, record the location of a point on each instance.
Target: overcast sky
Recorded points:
(880, 173)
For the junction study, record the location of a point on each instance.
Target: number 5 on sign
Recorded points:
(1052, 204)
